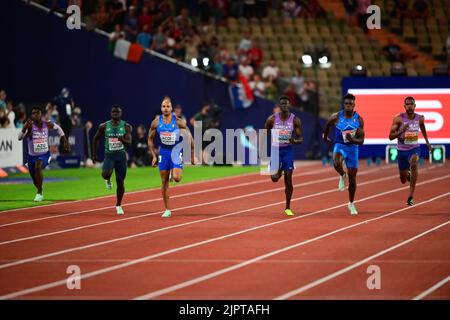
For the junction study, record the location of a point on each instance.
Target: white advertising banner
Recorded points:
(11, 149)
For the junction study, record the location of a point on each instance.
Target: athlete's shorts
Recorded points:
(405, 156)
(31, 160)
(285, 159)
(116, 161)
(167, 162)
(350, 153)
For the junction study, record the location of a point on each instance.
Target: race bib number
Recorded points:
(115, 144)
(344, 134)
(281, 136)
(168, 138)
(40, 145)
(411, 137)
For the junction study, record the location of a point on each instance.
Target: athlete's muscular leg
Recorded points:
(338, 166)
(352, 183)
(120, 190)
(38, 176)
(106, 174)
(165, 187)
(403, 176)
(275, 177)
(177, 174)
(288, 187)
(414, 172)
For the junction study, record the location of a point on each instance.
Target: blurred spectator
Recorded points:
(220, 11)
(290, 9)
(10, 113)
(249, 8)
(21, 116)
(102, 17)
(217, 65)
(3, 99)
(271, 89)
(298, 81)
(350, 9)
(271, 70)
(276, 109)
(255, 54)
(65, 105)
(160, 41)
(420, 9)
(114, 36)
(257, 85)
(204, 116)
(4, 121)
(117, 12)
(179, 50)
(141, 155)
(362, 13)
(245, 69)
(230, 70)
(131, 25)
(183, 19)
(76, 119)
(393, 51)
(144, 38)
(291, 94)
(51, 113)
(178, 110)
(145, 19)
(245, 44)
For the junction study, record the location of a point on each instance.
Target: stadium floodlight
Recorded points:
(358, 70)
(307, 60)
(205, 61)
(194, 62)
(324, 61)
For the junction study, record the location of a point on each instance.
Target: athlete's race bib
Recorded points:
(411, 137)
(281, 136)
(40, 145)
(168, 138)
(344, 134)
(115, 144)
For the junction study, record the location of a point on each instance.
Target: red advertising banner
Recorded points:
(378, 107)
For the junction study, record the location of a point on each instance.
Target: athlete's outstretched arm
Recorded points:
(182, 125)
(100, 133)
(395, 132)
(61, 134)
(358, 140)
(298, 132)
(424, 132)
(126, 139)
(26, 130)
(151, 137)
(331, 122)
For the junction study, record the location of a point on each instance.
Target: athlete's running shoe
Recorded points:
(288, 212)
(410, 201)
(39, 197)
(342, 182)
(352, 209)
(119, 210)
(166, 214)
(108, 184)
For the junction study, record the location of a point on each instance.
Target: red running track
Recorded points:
(229, 239)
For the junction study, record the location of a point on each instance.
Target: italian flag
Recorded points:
(126, 50)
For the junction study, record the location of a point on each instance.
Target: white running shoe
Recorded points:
(352, 209)
(119, 210)
(108, 184)
(38, 198)
(166, 214)
(342, 180)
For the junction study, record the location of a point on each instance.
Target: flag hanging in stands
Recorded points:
(241, 95)
(128, 51)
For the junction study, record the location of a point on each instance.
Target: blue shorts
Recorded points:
(166, 162)
(285, 159)
(31, 160)
(405, 156)
(350, 153)
(116, 161)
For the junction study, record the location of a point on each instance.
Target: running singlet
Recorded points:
(112, 134)
(169, 133)
(282, 131)
(410, 138)
(346, 125)
(38, 140)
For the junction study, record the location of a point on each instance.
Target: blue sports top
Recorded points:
(169, 133)
(346, 125)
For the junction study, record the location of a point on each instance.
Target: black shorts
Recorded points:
(116, 161)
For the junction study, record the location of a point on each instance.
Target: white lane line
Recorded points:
(96, 244)
(176, 209)
(220, 272)
(149, 201)
(357, 264)
(433, 288)
(146, 258)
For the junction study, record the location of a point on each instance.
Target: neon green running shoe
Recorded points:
(166, 214)
(288, 212)
(119, 210)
